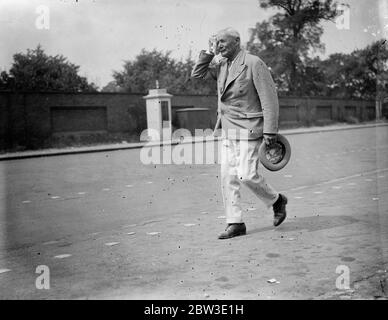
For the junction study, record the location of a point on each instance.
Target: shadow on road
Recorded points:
(312, 223)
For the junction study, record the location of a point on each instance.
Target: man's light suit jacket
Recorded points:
(247, 97)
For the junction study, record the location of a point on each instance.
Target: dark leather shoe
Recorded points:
(279, 209)
(233, 230)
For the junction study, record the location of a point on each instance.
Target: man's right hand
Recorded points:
(213, 44)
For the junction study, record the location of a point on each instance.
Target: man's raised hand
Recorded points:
(213, 44)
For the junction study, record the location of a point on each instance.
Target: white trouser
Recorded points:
(240, 165)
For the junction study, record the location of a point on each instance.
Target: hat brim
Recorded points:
(285, 155)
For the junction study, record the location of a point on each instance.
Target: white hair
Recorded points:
(230, 32)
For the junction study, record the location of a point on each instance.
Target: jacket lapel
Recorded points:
(223, 76)
(235, 70)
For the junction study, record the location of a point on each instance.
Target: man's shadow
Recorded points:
(312, 223)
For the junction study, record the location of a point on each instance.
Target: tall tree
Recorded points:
(37, 71)
(287, 39)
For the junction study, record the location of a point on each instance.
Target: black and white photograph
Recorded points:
(210, 151)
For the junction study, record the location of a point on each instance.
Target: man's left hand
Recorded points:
(270, 138)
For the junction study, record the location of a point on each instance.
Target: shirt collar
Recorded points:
(230, 62)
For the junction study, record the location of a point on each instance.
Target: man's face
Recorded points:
(227, 45)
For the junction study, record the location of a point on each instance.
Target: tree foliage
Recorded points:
(37, 71)
(360, 74)
(141, 74)
(112, 86)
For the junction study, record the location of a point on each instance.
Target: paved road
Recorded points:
(108, 226)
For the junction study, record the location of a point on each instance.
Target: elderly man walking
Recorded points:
(248, 110)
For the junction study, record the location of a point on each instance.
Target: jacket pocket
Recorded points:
(251, 115)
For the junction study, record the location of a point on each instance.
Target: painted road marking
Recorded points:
(368, 179)
(298, 197)
(4, 270)
(149, 182)
(273, 280)
(351, 184)
(375, 199)
(62, 256)
(288, 176)
(26, 201)
(130, 233)
(251, 209)
(50, 242)
(336, 187)
(130, 225)
(221, 217)
(153, 233)
(189, 224)
(336, 180)
(129, 185)
(81, 192)
(106, 189)
(109, 244)
(297, 188)
(318, 192)
(55, 197)
(149, 222)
